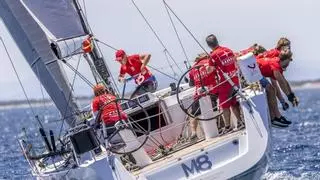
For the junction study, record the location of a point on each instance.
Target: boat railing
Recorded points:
(239, 94)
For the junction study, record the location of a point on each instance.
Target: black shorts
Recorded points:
(195, 109)
(150, 86)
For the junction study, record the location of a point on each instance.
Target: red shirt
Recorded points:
(272, 53)
(225, 60)
(133, 68)
(268, 66)
(109, 113)
(208, 79)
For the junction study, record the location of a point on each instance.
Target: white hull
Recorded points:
(255, 172)
(239, 155)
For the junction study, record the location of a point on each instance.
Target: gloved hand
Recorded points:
(293, 99)
(285, 105)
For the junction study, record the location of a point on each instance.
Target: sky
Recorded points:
(237, 24)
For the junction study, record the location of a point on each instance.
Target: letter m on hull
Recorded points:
(190, 170)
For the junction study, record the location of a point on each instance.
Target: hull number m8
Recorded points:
(197, 165)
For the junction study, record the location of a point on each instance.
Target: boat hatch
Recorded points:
(84, 140)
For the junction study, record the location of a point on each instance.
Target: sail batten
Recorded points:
(69, 47)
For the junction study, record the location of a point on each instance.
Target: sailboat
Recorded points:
(48, 32)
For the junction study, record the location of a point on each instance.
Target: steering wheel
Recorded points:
(194, 102)
(126, 123)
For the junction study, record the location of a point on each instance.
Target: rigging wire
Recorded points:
(96, 75)
(108, 45)
(21, 85)
(41, 89)
(156, 35)
(165, 74)
(195, 39)
(78, 73)
(226, 76)
(112, 77)
(69, 97)
(71, 57)
(178, 37)
(167, 66)
(85, 19)
(170, 65)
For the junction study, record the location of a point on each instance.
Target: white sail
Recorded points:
(35, 46)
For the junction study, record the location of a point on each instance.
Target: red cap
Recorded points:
(120, 54)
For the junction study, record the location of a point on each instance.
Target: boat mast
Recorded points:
(96, 56)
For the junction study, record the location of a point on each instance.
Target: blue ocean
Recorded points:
(295, 150)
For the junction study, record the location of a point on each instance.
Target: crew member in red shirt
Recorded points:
(136, 66)
(202, 75)
(260, 52)
(104, 103)
(103, 99)
(225, 63)
(256, 49)
(283, 43)
(273, 68)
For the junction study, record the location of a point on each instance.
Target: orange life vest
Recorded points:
(87, 45)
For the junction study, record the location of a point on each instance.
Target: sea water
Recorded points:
(295, 150)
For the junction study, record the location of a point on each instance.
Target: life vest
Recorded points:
(87, 45)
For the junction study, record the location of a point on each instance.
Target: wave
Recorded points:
(284, 175)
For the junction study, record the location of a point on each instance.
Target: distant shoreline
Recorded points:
(47, 102)
(34, 103)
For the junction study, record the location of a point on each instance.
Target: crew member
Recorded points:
(225, 63)
(136, 66)
(273, 68)
(103, 99)
(282, 44)
(202, 75)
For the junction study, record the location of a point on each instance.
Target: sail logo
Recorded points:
(197, 165)
(252, 68)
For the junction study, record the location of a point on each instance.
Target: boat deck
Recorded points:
(192, 148)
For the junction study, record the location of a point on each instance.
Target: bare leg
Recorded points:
(272, 102)
(236, 111)
(193, 126)
(277, 89)
(226, 115)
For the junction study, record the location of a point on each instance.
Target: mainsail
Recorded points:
(34, 44)
(46, 32)
(52, 13)
(61, 23)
